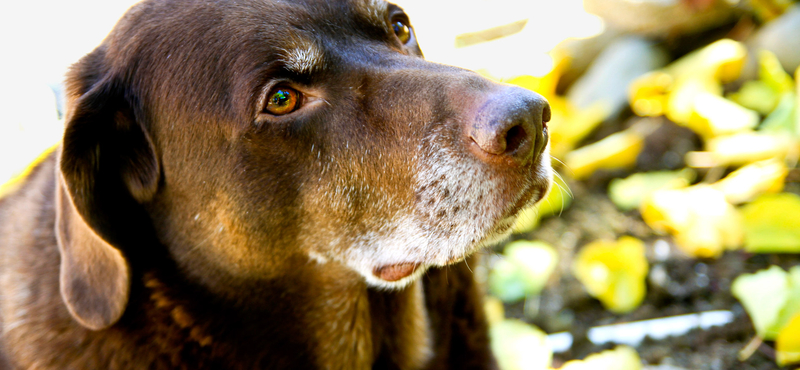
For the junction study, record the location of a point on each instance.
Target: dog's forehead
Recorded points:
(372, 10)
(307, 25)
(336, 12)
(197, 47)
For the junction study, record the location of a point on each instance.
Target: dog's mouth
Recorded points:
(392, 273)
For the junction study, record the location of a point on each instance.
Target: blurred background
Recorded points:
(671, 238)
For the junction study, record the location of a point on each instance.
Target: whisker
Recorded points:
(568, 190)
(467, 263)
(563, 164)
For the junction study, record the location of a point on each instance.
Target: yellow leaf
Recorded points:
(672, 90)
(768, 10)
(648, 94)
(628, 193)
(579, 123)
(613, 272)
(681, 101)
(618, 150)
(699, 217)
(741, 148)
(620, 358)
(752, 180)
(569, 125)
(787, 346)
(495, 312)
(714, 115)
(797, 96)
(537, 84)
(771, 72)
(545, 85)
(772, 224)
(722, 59)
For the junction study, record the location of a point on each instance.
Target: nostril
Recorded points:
(515, 137)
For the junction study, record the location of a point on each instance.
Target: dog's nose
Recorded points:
(510, 124)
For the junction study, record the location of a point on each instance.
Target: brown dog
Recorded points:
(264, 184)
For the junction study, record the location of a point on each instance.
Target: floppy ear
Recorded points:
(108, 167)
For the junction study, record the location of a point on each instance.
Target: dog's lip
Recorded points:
(396, 271)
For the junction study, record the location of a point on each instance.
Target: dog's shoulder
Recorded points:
(27, 212)
(29, 291)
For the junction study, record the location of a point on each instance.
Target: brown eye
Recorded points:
(282, 101)
(402, 30)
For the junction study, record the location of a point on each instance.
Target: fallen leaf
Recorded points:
(782, 119)
(772, 224)
(495, 312)
(569, 126)
(684, 95)
(699, 217)
(713, 115)
(619, 358)
(752, 180)
(771, 297)
(648, 94)
(672, 90)
(523, 271)
(772, 73)
(519, 346)
(787, 345)
(618, 150)
(758, 96)
(767, 11)
(722, 59)
(613, 272)
(741, 148)
(628, 193)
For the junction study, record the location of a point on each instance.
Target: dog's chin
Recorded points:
(399, 275)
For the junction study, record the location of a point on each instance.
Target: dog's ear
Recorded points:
(108, 168)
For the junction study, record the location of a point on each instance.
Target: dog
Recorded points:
(266, 184)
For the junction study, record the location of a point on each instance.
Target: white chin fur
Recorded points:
(493, 238)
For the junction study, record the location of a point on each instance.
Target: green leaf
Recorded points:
(629, 193)
(782, 119)
(517, 346)
(758, 96)
(763, 295)
(523, 272)
(772, 224)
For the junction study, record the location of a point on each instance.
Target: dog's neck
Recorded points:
(340, 322)
(369, 326)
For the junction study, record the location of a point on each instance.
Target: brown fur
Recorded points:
(181, 227)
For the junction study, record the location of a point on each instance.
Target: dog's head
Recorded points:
(257, 138)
